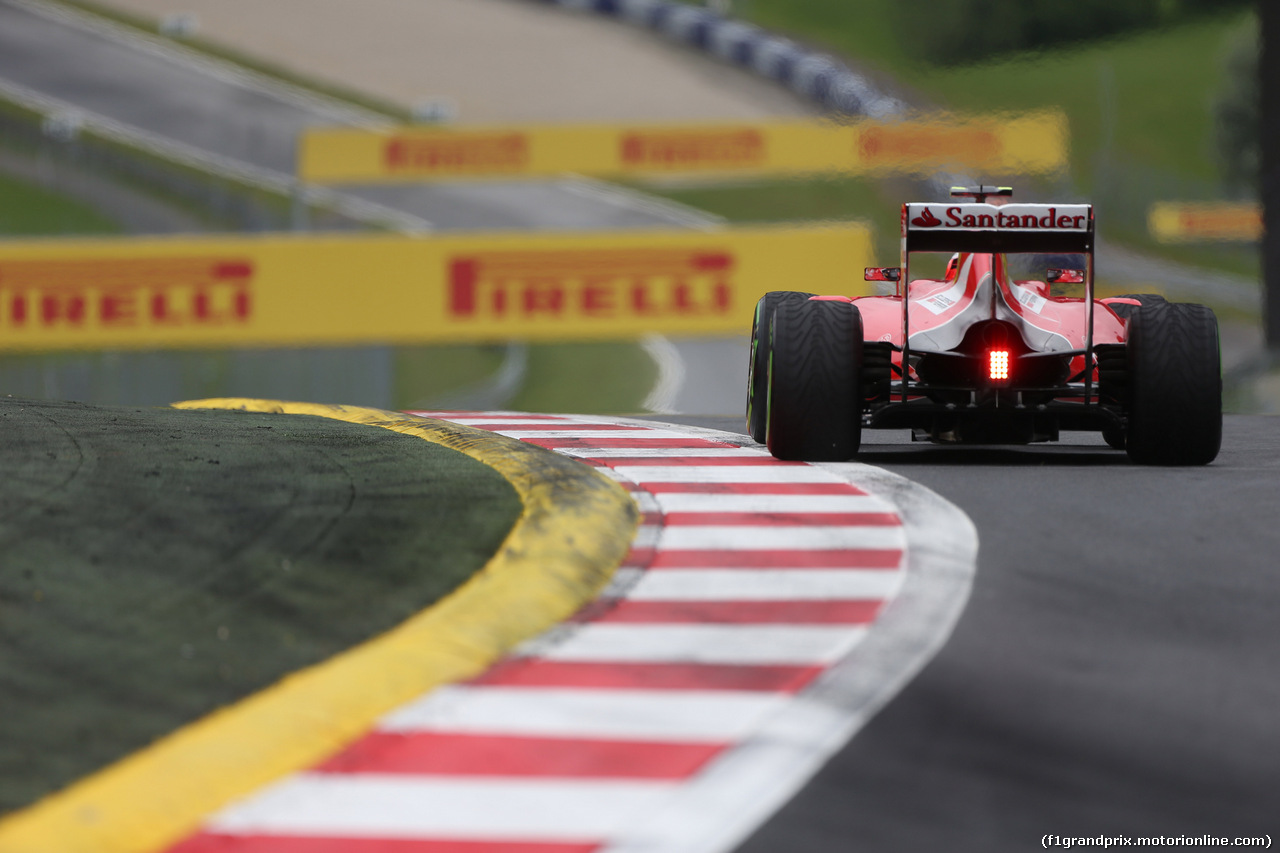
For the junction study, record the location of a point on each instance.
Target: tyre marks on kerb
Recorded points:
(674, 713)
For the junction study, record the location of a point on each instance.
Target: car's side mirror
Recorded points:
(883, 274)
(1064, 276)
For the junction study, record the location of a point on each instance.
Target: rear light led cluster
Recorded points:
(998, 365)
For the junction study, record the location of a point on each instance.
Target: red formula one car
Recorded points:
(987, 354)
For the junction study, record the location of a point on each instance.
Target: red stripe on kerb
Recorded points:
(214, 843)
(756, 488)
(760, 461)
(444, 753)
(638, 558)
(469, 413)
(562, 425)
(636, 443)
(843, 558)
(784, 519)
(535, 672)
(743, 612)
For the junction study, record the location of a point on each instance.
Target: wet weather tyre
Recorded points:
(758, 366)
(814, 399)
(1114, 437)
(1125, 311)
(1175, 385)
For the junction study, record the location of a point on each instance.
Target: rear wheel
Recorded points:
(814, 410)
(758, 367)
(1124, 311)
(1114, 437)
(1175, 385)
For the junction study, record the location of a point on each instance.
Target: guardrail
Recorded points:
(161, 162)
(817, 76)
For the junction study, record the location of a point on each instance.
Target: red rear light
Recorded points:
(998, 365)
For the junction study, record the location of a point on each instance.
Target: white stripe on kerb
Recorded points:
(517, 421)
(644, 500)
(646, 536)
(766, 585)
(748, 538)
(724, 474)
(456, 807)
(656, 452)
(727, 644)
(702, 716)
(570, 432)
(714, 502)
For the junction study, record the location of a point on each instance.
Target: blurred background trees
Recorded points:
(1236, 117)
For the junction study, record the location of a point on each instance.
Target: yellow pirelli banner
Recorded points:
(1186, 222)
(286, 290)
(998, 144)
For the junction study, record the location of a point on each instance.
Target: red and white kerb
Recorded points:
(747, 580)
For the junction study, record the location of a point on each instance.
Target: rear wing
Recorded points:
(1046, 228)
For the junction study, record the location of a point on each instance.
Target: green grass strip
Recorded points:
(588, 378)
(160, 564)
(28, 210)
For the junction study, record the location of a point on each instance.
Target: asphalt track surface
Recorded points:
(229, 116)
(1114, 671)
(148, 91)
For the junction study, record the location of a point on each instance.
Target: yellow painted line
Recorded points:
(574, 531)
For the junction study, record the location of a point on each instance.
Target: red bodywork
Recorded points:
(987, 353)
(982, 289)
